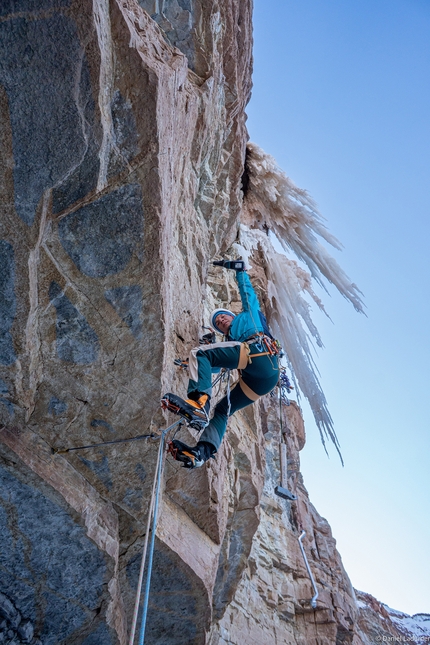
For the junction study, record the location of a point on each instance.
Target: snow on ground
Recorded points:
(417, 625)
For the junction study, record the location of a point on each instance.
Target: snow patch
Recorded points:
(416, 626)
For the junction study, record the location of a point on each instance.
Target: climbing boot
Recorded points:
(182, 364)
(190, 457)
(195, 413)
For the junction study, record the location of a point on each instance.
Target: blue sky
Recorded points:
(341, 99)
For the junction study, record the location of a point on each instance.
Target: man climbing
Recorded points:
(249, 348)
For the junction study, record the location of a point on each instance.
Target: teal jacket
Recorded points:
(248, 322)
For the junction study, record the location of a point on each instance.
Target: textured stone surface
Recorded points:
(102, 237)
(177, 19)
(77, 342)
(122, 147)
(7, 302)
(271, 601)
(53, 576)
(51, 111)
(120, 176)
(381, 624)
(127, 301)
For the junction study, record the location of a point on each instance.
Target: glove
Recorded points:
(208, 339)
(235, 265)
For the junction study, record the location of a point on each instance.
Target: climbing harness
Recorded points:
(152, 517)
(263, 342)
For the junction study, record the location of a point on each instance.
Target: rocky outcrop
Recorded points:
(271, 603)
(122, 159)
(378, 623)
(122, 150)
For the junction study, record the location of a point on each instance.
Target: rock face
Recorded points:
(381, 624)
(122, 152)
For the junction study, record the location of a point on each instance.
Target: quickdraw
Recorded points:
(182, 364)
(272, 346)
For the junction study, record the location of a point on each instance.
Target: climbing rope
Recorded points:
(228, 394)
(62, 451)
(152, 517)
(145, 548)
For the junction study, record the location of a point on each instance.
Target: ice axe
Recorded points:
(235, 265)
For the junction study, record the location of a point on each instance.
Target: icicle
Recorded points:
(273, 203)
(276, 204)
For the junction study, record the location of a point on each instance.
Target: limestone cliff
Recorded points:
(122, 173)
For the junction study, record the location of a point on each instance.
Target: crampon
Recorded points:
(195, 415)
(189, 457)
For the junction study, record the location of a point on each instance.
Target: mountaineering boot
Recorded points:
(196, 413)
(191, 457)
(182, 364)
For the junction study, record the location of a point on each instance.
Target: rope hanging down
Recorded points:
(152, 516)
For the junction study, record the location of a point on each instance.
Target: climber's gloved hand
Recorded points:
(235, 265)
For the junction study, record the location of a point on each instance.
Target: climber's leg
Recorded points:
(230, 355)
(195, 408)
(215, 431)
(259, 378)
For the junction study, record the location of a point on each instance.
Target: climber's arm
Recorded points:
(247, 294)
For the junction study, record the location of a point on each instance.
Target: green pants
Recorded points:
(259, 377)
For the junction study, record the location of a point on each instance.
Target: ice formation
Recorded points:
(274, 204)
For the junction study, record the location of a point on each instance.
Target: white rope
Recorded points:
(154, 499)
(228, 394)
(145, 549)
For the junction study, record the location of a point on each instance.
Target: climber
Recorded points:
(248, 347)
